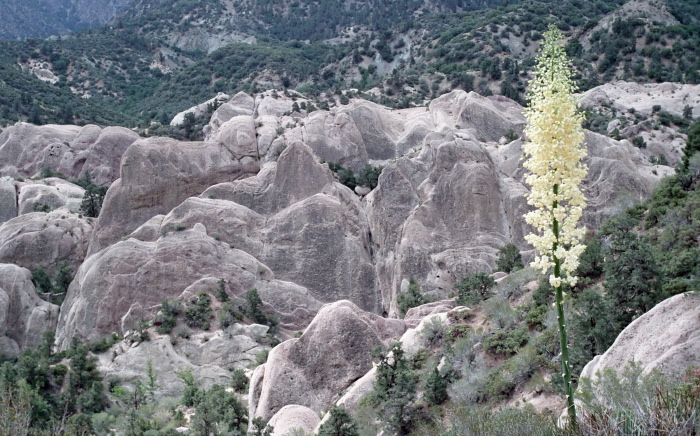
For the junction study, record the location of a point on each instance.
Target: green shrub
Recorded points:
(166, 318)
(228, 314)
(394, 390)
(535, 316)
(509, 259)
(433, 332)
(261, 357)
(632, 403)
(369, 176)
(340, 423)
(254, 307)
(506, 341)
(499, 311)
(198, 312)
(239, 381)
(435, 388)
(474, 288)
(221, 294)
(514, 371)
(412, 298)
(105, 343)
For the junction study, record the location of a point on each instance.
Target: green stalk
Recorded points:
(563, 341)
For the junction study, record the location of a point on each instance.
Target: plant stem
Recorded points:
(563, 341)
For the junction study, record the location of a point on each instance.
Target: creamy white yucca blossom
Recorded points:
(554, 159)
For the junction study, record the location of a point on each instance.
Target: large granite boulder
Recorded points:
(312, 371)
(49, 194)
(8, 199)
(26, 149)
(43, 240)
(157, 174)
(24, 317)
(128, 281)
(294, 418)
(100, 159)
(665, 339)
(490, 118)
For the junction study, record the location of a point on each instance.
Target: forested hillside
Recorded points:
(161, 57)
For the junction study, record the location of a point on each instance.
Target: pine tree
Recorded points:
(435, 388)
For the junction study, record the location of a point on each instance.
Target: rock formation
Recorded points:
(665, 339)
(257, 205)
(24, 317)
(333, 352)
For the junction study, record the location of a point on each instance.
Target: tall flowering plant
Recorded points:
(553, 158)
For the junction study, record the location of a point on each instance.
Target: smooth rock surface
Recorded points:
(43, 240)
(24, 317)
(333, 352)
(666, 339)
(294, 417)
(8, 199)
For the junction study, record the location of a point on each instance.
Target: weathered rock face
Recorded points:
(333, 352)
(315, 231)
(256, 194)
(666, 339)
(128, 281)
(209, 360)
(292, 417)
(44, 239)
(24, 317)
(25, 149)
(199, 109)
(51, 194)
(8, 199)
(157, 174)
(489, 117)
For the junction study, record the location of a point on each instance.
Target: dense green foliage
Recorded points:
(509, 258)
(133, 76)
(53, 289)
(394, 390)
(50, 392)
(340, 423)
(474, 288)
(412, 298)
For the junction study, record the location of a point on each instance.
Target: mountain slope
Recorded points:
(43, 18)
(162, 56)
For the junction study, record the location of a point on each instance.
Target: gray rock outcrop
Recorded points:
(666, 339)
(128, 281)
(24, 317)
(157, 174)
(8, 199)
(72, 150)
(312, 370)
(294, 417)
(210, 357)
(49, 194)
(43, 240)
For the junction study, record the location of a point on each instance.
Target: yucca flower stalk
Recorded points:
(553, 157)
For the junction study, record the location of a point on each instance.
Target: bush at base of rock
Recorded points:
(474, 288)
(509, 259)
(239, 381)
(340, 423)
(394, 390)
(166, 319)
(412, 298)
(506, 341)
(198, 312)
